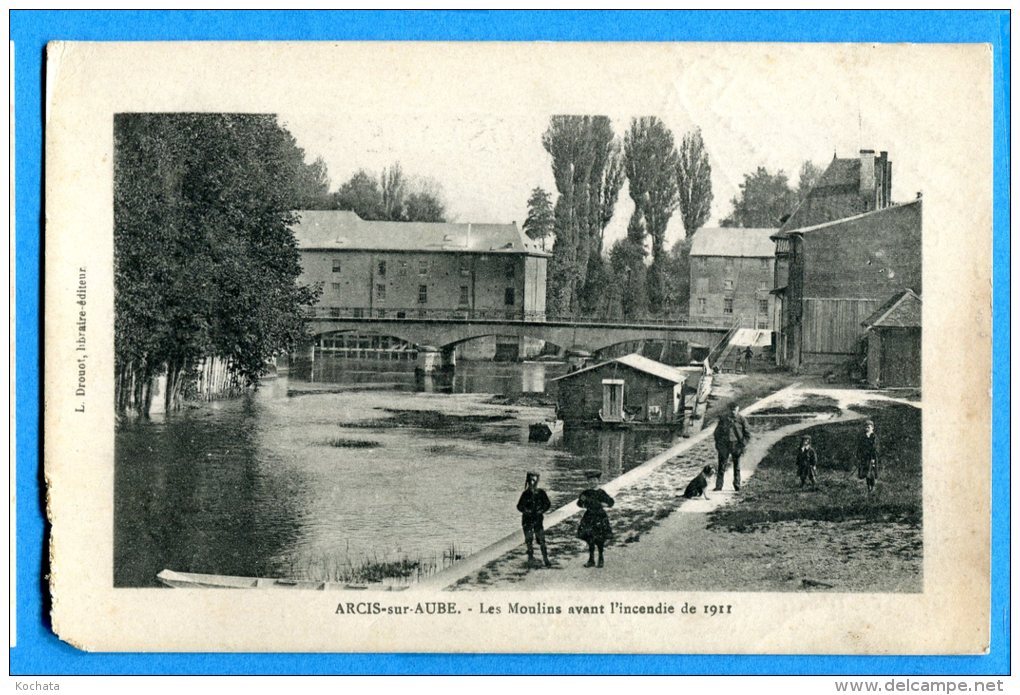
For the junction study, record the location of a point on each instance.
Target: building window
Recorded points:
(729, 266)
(763, 323)
(765, 264)
(463, 295)
(423, 267)
(382, 269)
(358, 313)
(508, 297)
(701, 285)
(464, 269)
(381, 313)
(336, 265)
(763, 284)
(336, 287)
(402, 271)
(727, 284)
(702, 305)
(401, 314)
(380, 292)
(763, 306)
(702, 262)
(423, 294)
(727, 305)
(510, 271)
(334, 312)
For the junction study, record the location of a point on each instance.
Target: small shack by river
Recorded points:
(629, 389)
(894, 342)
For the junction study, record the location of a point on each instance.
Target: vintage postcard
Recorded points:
(519, 347)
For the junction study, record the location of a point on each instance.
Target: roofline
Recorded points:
(830, 223)
(617, 359)
(906, 292)
(731, 255)
(505, 252)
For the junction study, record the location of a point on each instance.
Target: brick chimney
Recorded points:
(883, 184)
(868, 176)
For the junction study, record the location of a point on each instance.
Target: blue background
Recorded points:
(38, 651)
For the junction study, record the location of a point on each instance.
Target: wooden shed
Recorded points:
(628, 389)
(894, 342)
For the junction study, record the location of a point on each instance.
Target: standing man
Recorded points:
(731, 437)
(533, 505)
(748, 355)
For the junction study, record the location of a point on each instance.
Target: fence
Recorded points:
(508, 315)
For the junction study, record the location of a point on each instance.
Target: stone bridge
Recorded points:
(443, 334)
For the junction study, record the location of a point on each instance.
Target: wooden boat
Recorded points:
(545, 430)
(192, 580)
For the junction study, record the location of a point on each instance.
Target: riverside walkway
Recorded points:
(645, 495)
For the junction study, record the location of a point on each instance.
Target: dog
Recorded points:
(697, 487)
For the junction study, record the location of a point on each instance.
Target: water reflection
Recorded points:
(365, 465)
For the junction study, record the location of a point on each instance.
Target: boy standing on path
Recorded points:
(533, 505)
(731, 437)
(807, 461)
(867, 456)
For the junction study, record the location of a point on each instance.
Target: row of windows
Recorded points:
(509, 296)
(763, 263)
(423, 268)
(701, 284)
(763, 305)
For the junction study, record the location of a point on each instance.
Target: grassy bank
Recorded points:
(774, 493)
(779, 536)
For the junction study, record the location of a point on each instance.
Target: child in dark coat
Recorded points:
(594, 528)
(697, 486)
(867, 456)
(807, 462)
(533, 504)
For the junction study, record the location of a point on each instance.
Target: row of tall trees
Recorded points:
(392, 196)
(205, 263)
(590, 165)
(767, 200)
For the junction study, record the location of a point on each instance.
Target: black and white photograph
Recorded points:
(491, 338)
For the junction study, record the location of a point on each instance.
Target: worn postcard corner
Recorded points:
(607, 348)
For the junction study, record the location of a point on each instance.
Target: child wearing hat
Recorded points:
(533, 505)
(807, 461)
(594, 528)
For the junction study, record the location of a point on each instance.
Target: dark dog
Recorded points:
(696, 488)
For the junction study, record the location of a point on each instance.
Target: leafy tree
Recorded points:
(586, 166)
(205, 263)
(694, 182)
(764, 201)
(312, 187)
(628, 271)
(541, 220)
(809, 176)
(424, 206)
(361, 195)
(392, 189)
(677, 287)
(650, 159)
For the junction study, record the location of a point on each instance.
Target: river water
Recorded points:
(364, 465)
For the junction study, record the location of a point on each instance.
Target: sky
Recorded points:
(476, 128)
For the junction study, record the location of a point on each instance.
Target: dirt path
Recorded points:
(664, 542)
(673, 553)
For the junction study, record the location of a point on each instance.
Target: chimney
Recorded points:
(867, 171)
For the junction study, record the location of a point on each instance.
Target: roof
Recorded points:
(902, 310)
(343, 229)
(828, 197)
(733, 241)
(842, 171)
(832, 223)
(637, 363)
